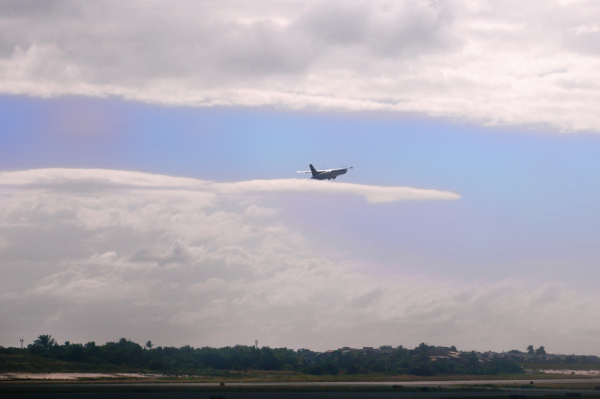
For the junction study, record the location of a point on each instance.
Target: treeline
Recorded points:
(417, 361)
(189, 360)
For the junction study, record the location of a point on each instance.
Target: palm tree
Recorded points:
(149, 344)
(45, 340)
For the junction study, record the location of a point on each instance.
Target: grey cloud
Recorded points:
(486, 62)
(336, 23)
(412, 29)
(29, 8)
(176, 254)
(584, 38)
(257, 211)
(263, 49)
(187, 270)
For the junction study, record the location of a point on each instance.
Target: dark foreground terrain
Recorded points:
(509, 389)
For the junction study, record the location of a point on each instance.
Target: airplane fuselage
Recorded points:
(328, 174)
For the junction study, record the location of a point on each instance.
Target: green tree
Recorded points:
(541, 351)
(75, 353)
(421, 364)
(268, 361)
(530, 350)
(149, 344)
(45, 341)
(330, 368)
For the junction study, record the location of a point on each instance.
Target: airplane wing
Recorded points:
(304, 171)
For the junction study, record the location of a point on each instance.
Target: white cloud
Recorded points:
(96, 255)
(373, 194)
(480, 61)
(259, 211)
(81, 177)
(586, 28)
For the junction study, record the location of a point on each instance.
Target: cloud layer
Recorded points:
(481, 61)
(96, 255)
(99, 177)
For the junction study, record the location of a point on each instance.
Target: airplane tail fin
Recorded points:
(313, 170)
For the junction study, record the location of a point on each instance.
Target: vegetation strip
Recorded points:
(127, 356)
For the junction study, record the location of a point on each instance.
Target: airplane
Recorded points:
(325, 174)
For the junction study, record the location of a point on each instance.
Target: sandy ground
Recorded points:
(80, 376)
(71, 376)
(571, 372)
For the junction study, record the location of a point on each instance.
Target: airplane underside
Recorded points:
(325, 177)
(330, 174)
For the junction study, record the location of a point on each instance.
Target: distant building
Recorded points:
(306, 353)
(347, 349)
(492, 355)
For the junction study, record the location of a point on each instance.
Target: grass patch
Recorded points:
(26, 363)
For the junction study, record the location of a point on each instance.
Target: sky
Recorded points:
(148, 185)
